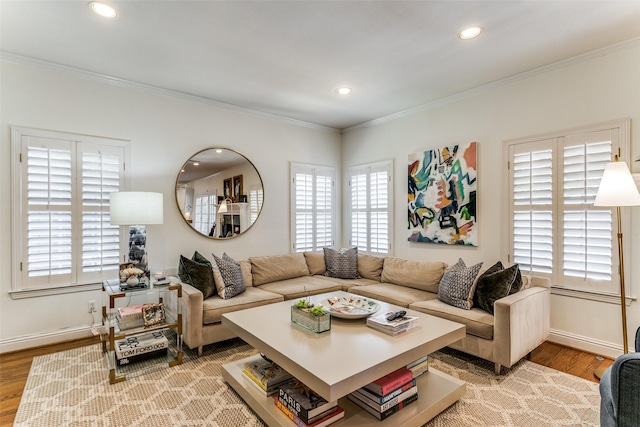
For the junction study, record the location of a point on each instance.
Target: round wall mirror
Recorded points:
(219, 193)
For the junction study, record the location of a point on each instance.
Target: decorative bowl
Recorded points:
(351, 307)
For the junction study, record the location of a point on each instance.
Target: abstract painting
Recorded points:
(442, 196)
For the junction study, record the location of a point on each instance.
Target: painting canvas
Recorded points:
(442, 196)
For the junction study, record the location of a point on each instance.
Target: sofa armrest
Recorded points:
(192, 300)
(522, 322)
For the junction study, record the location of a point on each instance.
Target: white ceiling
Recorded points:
(288, 57)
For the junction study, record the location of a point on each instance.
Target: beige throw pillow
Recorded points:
(423, 275)
(370, 267)
(269, 269)
(315, 262)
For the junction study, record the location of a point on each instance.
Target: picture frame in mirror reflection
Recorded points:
(227, 189)
(237, 188)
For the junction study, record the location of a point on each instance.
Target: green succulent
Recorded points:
(318, 310)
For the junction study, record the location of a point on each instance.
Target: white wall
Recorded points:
(593, 90)
(164, 132)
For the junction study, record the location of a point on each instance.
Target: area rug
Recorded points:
(71, 388)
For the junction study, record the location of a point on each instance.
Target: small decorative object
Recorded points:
(152, 314)
(309, 316)
(351, 307)
(130, 275)
(132, 280)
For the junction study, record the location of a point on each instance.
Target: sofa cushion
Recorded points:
(393, 294)
(349, 283)
(423, 275)
(477, 322)
(232, 278)
(269, 269)
(343, 265)
(370, 267)
(214, 307)
(197, 274)
(494, 268)
(315, 262)
(300, 287)
(457, 285)
(491, 287)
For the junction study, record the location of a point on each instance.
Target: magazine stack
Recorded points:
(393, 323)
(387, 395)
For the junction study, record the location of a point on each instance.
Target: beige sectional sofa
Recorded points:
(519, 324)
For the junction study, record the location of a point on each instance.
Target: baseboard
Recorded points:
(45, 338)
(604, 348)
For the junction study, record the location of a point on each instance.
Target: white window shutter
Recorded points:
(313, 205)
(370, 208)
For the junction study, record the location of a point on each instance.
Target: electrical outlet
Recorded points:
(92, 306)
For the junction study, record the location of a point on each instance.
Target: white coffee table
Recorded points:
(337, 362)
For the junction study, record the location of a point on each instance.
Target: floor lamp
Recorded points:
(617, 189)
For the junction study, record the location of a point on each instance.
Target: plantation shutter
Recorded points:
(555, 230)
(532, 183)
(587, 230)
(47, 239)
(256, 196)
(313, 201)
(100, 175)
(370, 208)
(62, 226)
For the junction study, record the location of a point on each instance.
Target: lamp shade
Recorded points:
(135, 208)
(617, 187)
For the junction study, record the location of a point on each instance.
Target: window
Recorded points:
(312, 207)
(256, 195)
(554, 229)
(62, 233)
(370, 195)
(205, 213)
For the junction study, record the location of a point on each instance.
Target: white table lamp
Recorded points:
(137, 210)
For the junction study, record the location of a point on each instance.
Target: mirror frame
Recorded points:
(178, 183)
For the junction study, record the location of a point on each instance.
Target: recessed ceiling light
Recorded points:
(103, 9)
(343, 90)
(470, 33)
(218, 150)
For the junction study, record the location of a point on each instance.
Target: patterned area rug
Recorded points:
(71, 388)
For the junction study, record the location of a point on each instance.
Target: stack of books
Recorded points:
(419, 367)
(141, 347)
(265, 375)
(395, 326)
(305, 407)
(387, 395)
(130, 317)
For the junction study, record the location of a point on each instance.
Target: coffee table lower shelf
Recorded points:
(436, 392)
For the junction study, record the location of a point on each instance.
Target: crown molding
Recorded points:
(156, 90)
(499, 83)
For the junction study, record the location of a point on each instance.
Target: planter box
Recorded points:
(316, 324)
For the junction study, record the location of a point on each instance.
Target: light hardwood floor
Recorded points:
(14, 368)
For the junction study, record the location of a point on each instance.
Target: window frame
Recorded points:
(557, 141)
(314, 171)
(20, 285)
(368, 168)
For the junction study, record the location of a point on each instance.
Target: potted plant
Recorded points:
(310, 316)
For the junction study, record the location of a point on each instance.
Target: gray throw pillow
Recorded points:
(232, 277)
(493, 269)
(492, 287)
(341, 265)
(197, 274)
(456, 285)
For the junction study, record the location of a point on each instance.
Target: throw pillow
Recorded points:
(456, 285)
(341, 265)
(232, 277)
(493, 269)
(492, 287)
(197, 274)
(517, 283)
